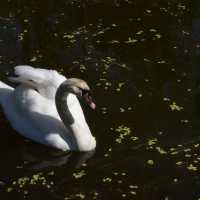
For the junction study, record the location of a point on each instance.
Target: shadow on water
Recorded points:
(142, 61)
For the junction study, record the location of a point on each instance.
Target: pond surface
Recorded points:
(141, 59)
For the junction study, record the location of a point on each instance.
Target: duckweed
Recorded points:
(191, 167)
(79, 174)
(123, 131)
(175, 107)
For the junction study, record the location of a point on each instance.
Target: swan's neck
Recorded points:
(72, 116)
(62, 107)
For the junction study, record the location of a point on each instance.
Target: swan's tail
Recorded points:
(4, 86)
(5, 92)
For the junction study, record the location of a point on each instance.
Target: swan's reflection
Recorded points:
(44, 158)
(30, 158)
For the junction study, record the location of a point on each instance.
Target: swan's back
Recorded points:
(44, 80)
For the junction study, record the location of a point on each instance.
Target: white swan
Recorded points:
(44, 108)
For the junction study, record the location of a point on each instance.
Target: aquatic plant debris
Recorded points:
(174, 107)
(150, 162)
(79, 174)
(124, 132)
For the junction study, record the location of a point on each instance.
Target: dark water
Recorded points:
(142, 59)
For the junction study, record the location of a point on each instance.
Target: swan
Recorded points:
(44, 107)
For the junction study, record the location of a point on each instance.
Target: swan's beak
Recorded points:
(88, 100)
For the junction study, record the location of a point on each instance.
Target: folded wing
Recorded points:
(44, 81)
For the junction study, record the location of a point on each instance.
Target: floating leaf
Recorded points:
(150, 162)
(130, 40)
(175, 107)
(79, 174)
(191, 167)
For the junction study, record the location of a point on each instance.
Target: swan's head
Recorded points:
(81, 89)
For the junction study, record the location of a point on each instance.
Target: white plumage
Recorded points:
(31, 110)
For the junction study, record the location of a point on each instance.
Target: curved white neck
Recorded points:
(73, 118)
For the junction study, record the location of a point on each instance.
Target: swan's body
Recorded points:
(32, 110)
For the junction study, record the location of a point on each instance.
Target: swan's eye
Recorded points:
(85, 92)
(86, 95)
